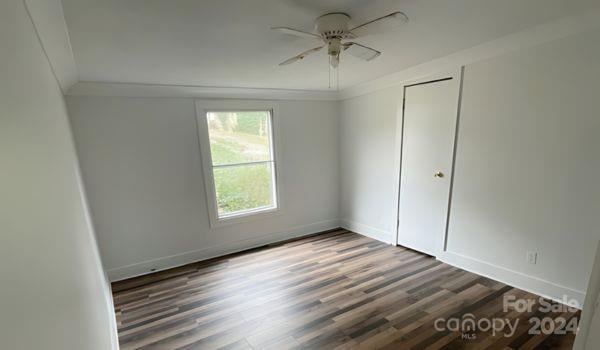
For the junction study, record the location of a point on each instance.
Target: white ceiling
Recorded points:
(228, 43)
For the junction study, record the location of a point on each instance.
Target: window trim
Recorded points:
(205, 106)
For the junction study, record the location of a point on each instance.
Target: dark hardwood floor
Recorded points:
(337, 290)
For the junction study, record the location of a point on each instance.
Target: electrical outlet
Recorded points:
(532, 257)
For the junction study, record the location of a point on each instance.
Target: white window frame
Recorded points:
(202, 108)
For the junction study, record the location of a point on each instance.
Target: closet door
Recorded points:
(427, 153)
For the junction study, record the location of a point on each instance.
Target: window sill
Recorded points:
(243, 217)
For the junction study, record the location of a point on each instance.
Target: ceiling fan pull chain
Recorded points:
(329, 69)
(337, 74)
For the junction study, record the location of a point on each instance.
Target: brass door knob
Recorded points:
(438, 174)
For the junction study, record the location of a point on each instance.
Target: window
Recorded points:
(242, 168)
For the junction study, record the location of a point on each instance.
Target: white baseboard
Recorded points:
(366, 230)
(513, 278)
(168, 262)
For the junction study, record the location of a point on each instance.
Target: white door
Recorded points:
(426, 163)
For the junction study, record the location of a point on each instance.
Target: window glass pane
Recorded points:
(239, 137)
(243, 187)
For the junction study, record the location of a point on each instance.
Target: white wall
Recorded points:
(367, 140)
(53, 292)
(141, 167)
(527, 162)
(526, 165)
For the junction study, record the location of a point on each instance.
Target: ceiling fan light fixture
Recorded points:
(335, 61)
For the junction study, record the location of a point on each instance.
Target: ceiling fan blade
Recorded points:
(300, 56)
(296, 32)
(370, 27)
(361, 51)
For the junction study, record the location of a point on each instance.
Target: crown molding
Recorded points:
(47, 17)
(530, 37)
(87, 88)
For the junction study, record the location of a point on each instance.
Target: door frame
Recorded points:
(457, 76)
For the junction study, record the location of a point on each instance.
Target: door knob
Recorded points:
(438, 174)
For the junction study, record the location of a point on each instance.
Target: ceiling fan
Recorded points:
(334, 31)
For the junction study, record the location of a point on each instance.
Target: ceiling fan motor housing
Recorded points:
(333, 25)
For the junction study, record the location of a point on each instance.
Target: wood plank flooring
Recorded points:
(337, 290)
